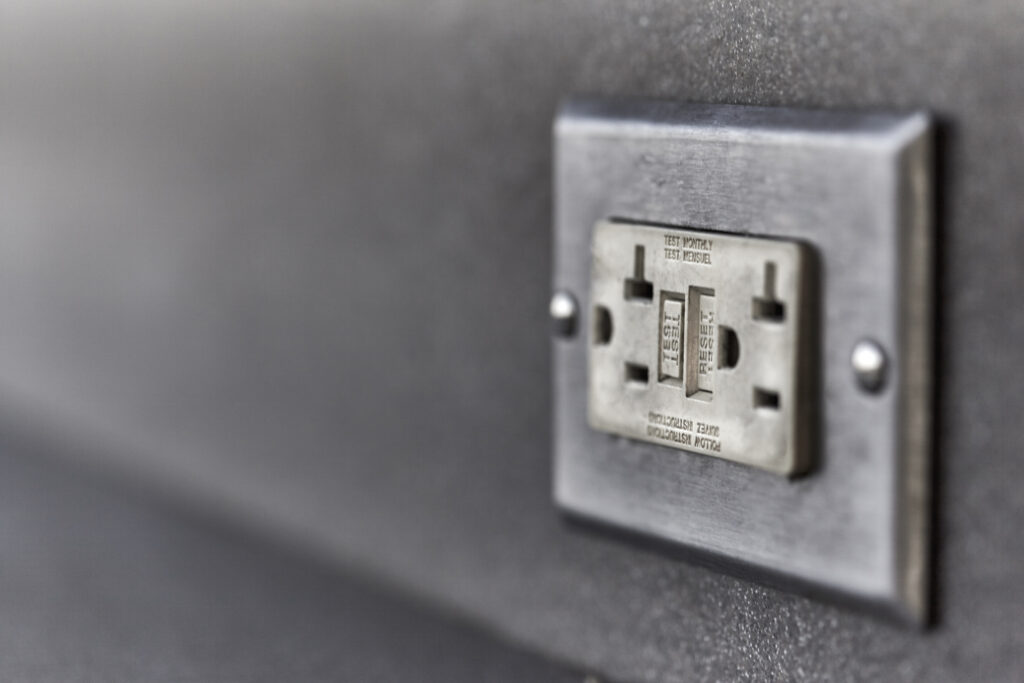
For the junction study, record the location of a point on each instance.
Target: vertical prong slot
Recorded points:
(636, 287)
(767, 307)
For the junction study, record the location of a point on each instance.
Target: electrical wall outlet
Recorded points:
(701, 341)
(744, 292)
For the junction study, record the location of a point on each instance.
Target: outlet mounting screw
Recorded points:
(869, 365)
(564, 311)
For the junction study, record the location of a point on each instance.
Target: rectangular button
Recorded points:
(702, 343)
(671, 339)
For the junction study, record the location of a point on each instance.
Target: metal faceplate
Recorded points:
(855, 190)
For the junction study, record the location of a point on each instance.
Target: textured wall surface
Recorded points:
(101, 583)
(292, 259)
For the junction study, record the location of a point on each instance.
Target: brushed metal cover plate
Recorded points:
(857, 188)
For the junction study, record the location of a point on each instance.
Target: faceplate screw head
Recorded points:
(870, 365)
(564, 313)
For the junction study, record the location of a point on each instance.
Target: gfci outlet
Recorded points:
(701, 341)
(742, 308)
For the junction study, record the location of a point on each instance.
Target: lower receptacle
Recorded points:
(702, 342)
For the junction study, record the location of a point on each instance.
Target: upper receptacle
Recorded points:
(711, 347)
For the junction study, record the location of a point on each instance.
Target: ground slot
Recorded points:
(602, 325)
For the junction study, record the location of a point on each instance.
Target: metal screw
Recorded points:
(869, 364)
(564, 312)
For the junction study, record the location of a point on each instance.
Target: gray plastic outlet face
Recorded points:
(702, 342)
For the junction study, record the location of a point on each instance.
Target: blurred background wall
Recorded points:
(290, 261)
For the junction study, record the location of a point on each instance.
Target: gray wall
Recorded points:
(292, 260)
